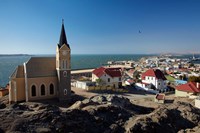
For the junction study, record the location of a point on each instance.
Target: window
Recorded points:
(33, 91)
(63, 64)
(65, 91)
(108, 79)
(51, 89)
(119, 79)
(42, 90)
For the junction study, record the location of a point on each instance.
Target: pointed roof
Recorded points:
(112, 72)
(63, 38)
(154, 73)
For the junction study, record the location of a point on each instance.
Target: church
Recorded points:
(43, 77)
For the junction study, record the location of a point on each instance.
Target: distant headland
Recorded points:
(15, 55)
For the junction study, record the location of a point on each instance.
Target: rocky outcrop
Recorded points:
(166, 119)
(101, 113)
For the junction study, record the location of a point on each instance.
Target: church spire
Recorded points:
(63, 38)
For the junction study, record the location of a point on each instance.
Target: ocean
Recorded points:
(9, 63)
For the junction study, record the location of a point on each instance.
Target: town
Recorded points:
(154, 75)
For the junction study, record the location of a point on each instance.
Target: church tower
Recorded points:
(63, 66)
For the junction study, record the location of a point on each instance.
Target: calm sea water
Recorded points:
(9, 63)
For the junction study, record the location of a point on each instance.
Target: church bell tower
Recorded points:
(63, 66)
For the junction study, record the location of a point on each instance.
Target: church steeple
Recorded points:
(63, 38)
(63, 66)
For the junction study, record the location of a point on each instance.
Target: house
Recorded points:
(43, 78)
(83, 84)
(154, 77)
(187, 90)
(177, 66)
(3, 92)
(108, 76)
(160, 98)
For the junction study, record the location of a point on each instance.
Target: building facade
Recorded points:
(187, 90)
(108, 76)
(154, 77)
(43, 77)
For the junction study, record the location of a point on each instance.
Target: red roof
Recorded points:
(112, 72)
(160, 96)
(154, 73)
(189, 87)
(3, 89)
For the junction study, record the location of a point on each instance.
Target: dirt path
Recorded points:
(83, 93)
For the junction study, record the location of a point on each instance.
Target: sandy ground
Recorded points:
(131, 95)
(136, 97)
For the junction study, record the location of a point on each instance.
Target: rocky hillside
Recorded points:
(108, 113)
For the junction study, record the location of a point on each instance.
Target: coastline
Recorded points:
(79, 61)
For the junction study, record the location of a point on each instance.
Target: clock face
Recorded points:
(64, 53)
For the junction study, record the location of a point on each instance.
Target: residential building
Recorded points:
(108, 76)
(43, 77)
(160, 98)
(4, 92)
(187, 90)
(154, 77)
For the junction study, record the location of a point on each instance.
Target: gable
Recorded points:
(154, 73)
(64, 47)
(112, 72)
(18, 73)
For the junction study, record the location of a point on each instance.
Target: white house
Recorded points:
(155, 77)
(108, 76)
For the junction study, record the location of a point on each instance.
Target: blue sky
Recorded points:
(100, 26)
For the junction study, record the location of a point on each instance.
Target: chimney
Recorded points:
(197, 84)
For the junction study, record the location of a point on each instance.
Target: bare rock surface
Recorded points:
(171, 118)
(99, 114)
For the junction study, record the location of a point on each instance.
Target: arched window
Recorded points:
(63, 64)
(65, 91)
(51, 89)
(33, 91)
(42, 89)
